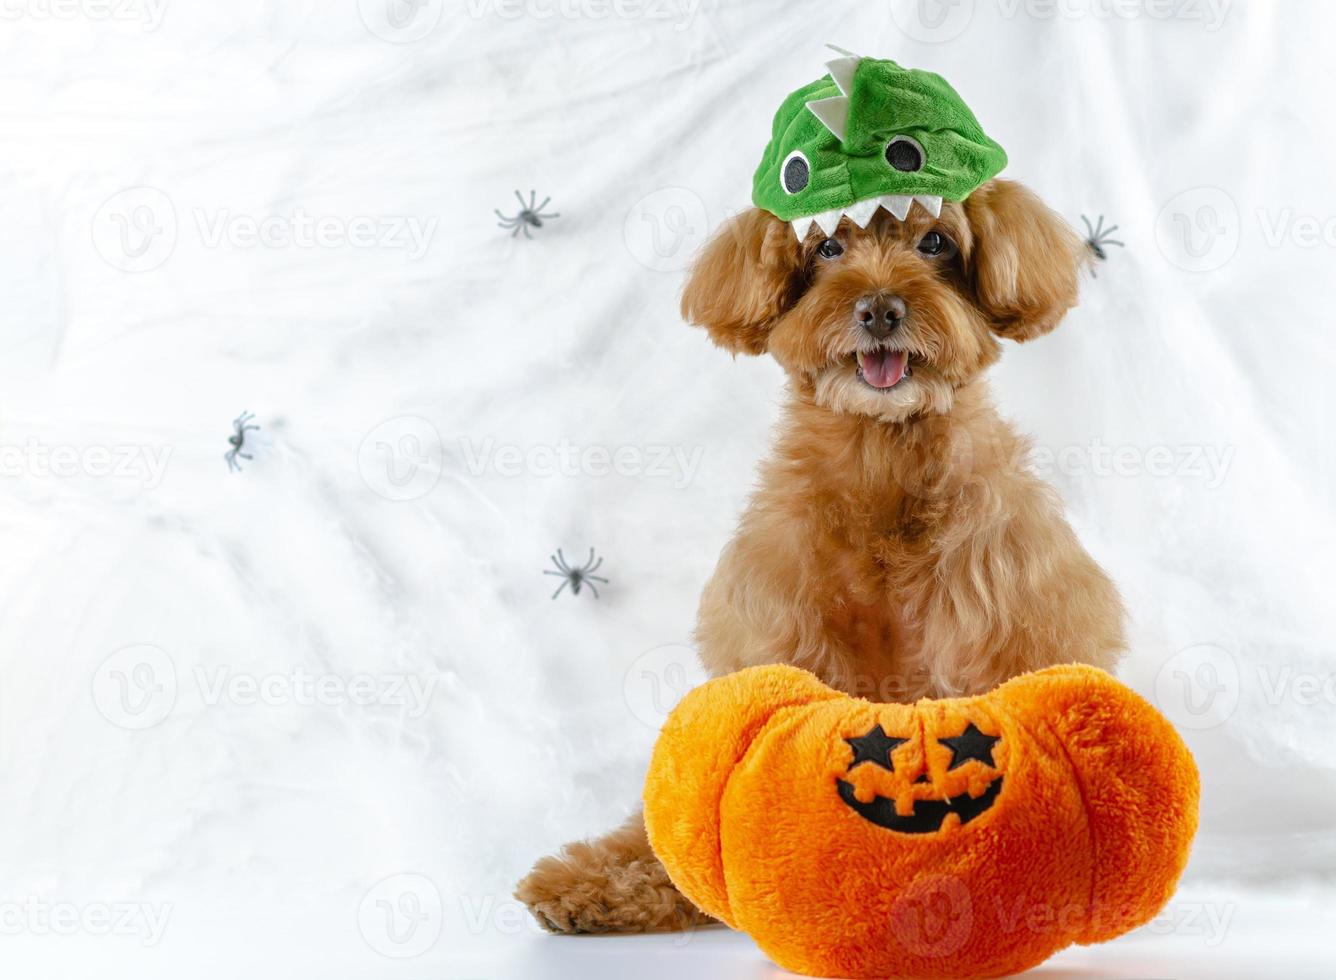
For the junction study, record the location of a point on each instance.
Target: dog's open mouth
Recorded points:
(883, 369)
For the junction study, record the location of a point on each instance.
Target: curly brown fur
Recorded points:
(613, 884)
(898, 547)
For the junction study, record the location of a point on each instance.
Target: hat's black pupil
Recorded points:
(795, 175)
(904, 155)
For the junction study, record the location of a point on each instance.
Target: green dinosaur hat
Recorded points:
(871, 134)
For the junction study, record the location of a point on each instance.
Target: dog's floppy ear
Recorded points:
(746, 277)
(1025, 260)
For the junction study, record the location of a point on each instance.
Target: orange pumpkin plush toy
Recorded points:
(971, 837)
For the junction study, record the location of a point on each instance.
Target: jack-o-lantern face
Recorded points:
(926, 813)
(856, 839)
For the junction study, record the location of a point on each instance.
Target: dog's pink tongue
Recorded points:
(883, 368)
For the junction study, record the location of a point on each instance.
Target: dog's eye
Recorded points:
(830, 249)
(795, 173)
(935, 243)
(904, 153)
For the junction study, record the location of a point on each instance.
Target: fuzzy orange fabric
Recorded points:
(971, 837)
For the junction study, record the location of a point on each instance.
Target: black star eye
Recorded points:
(971, 744)
(904, 153)
(830, 249)
(934, 243)
(795, 172)
(874, 747)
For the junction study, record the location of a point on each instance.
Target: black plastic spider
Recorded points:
(1097, 239)
(529, 216)
(237, 440)
(576, 578)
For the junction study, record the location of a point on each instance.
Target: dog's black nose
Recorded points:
(880, 314)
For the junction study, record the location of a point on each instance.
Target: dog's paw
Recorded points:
(593, 888)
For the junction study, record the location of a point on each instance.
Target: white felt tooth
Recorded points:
(861, 212)
(833, 113)
(828, 221)
(842, 71)
(800, 226)
(931, 204)
(897, 204)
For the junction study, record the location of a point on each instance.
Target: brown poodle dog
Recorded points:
(898, 546)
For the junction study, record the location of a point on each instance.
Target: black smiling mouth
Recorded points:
(928, 815)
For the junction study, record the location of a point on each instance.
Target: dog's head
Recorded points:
(889, 320)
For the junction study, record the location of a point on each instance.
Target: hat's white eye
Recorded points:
(795, 173)
(905, 153)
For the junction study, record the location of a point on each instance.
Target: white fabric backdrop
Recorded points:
(413, 350)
